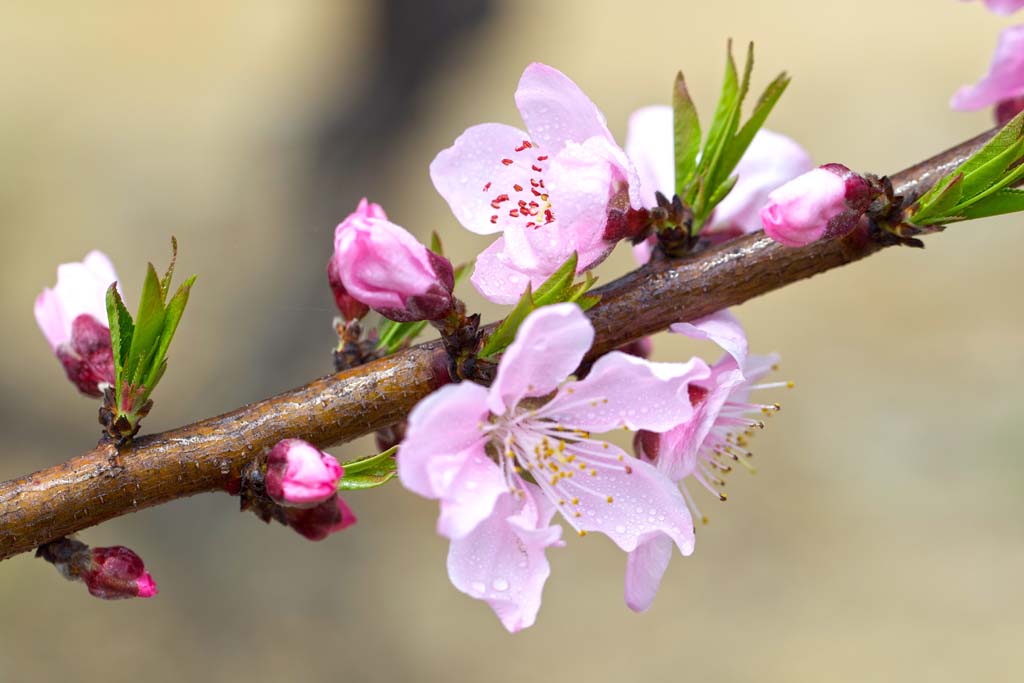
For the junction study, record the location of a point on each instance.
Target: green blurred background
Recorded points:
(882, 536)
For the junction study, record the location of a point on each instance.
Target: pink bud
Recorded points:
(301, 475)
(386, 268)
(73, 318)
(351, 308)
(88, 358)
(824, 203)
(319, 522)
(116, 573)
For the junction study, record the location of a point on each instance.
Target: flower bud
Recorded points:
(116, 573)
(383, 266)
(319, 522)
(73, 316)
(351, 308)
(301, 475)
(824, 203)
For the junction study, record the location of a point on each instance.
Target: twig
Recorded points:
(209, 455)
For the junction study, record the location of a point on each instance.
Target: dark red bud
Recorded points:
(351, 309)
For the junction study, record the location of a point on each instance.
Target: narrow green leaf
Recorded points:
(370, 462)
(395, 335)
(366, 480)
(588, 301)
(686, 129)
(739, 144)
(121, 328)
(943, 198)
(1006, 137)
(1006, 200)
(983, 176)
(165, 284)
(724, 111)
(506, 330)
(553, 289)
(148, 324)
(435, 243)
(174, 311)
(721, 191)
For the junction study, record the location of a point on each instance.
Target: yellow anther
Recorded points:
(575, 501)
(610, 499)
(581, 532)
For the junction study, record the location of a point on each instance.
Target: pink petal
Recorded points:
(642, 251)
(502, 561)
(470, 175)
(471, 496)
(722, 328)
(644, 568)
(497, 279)
(650, 147)
(444, 430)
(81, 290)
(548, 347)
(626, 391)
(50, 317)
(100, 266)
(771, 161)
(583, 180)
(626, 499)
(555, 109)
(1005, 77)
(1004, 7)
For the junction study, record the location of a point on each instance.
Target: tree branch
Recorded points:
(209, 455)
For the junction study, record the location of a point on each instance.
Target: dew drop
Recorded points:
(620, 529)
(470, 485)
(479, 587)
(500, 585)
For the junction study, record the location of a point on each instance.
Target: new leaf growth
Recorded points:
(140, 348)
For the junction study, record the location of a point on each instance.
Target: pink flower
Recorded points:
(703, 446)
(824, 203)
(473, 449)
(770, 160)
(548, 190)
(320, 521)
(350, 307)
(73, 318)
(1003, 85)
(301, 475)
(117, 572)
(386, 268)
(1004, 7)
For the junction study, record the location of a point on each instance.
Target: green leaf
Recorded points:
(722, 190)
(175, 309)
(165, 284)
(148, 323)
(506, 330)
(394, 335)
(943, 198)
(686, 130)
(435, 243)
(121, 328)
(739, 144)
(370, 472)
(368, 462)
(553, 290)
(1006, 200)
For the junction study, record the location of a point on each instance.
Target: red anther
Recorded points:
(535, 193)
(514, 213)
(534, 183)
(548, 216)
(487, 187)
(494, 219)
(543, 157)
(537, 168)
(518, 188)
(507, 162)
(526, 145)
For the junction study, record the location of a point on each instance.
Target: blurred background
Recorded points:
(882, 536)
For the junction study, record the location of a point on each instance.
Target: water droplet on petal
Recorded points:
(620, 529)
(479, 587)
(500, 585)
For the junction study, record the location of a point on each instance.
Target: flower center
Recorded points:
(525, 202)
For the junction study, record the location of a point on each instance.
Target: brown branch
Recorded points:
(209, 455)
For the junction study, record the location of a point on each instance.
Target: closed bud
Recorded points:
(301, 475)
(319, 522)
(116, 573)
(824, 203)
(350, 307)
(383, 266)
(73, 317)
